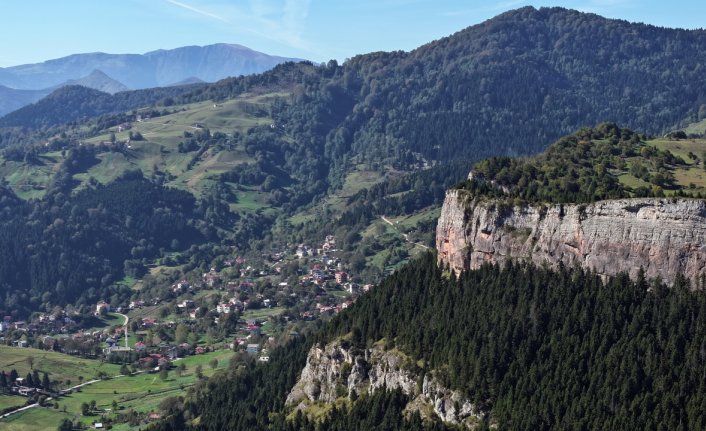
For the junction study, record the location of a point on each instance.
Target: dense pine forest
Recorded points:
(538, 349)
(75, 248)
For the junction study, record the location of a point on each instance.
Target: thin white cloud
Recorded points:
(281, 21)
(198, 11)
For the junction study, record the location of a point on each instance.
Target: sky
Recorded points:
(319, 30)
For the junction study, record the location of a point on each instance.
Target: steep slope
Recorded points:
(529, 347)
(662, 237)
(510, 85)
(153, 69)
(584, 201)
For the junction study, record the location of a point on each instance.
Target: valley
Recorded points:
(422, 240)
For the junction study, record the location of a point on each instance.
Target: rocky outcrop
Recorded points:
(340, 370)
(663, 236)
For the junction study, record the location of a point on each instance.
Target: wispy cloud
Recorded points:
(196, 10)
(282, 21)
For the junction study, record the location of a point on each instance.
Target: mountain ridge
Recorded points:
(152, 69)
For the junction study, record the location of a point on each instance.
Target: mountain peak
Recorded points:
(158, 68)
(98, 80)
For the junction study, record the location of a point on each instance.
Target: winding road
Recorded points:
(404, 235)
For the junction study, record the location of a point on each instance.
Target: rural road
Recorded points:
(406, 237)
(21, 409)
(90, 382)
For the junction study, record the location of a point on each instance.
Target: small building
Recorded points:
(102, 306)
(252, 349)
(341, 277)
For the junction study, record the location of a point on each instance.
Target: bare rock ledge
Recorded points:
(664, 236)
(339, 370)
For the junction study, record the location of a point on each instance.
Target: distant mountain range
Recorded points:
(111, 73)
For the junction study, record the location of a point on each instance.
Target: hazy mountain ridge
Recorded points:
(12, 99)
(76, 102)
(153, 69)
(98, 80)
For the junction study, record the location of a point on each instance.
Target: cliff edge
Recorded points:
(339, 370)
(664, 236)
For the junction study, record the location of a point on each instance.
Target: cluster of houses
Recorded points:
(321, 272)
(58, 322)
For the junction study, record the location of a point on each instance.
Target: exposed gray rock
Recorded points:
(663, 236)
(323, 379)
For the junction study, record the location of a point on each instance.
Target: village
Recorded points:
(236, 305)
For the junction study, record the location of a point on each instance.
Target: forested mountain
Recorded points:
(504, 87)
(536, 348)
(75, 102)
(605, 162)
(12, 99)
(73, 250)
(507, 86)
(159, 68)
(533, 348)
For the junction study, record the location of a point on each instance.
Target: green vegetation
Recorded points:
(70, 249)
(7, 401)
(251, 164)
(263, 312)
(697, 128)
(594, 164)
(60, 367)
(38, 419)
(141, 393)
(533, 347)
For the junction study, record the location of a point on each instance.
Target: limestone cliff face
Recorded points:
(339, 370)
(663, 236)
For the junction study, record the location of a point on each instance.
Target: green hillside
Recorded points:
(158, 152)
(59, 366)
(606, 162)
(135, 396)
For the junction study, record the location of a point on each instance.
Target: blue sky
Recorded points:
(37, 30)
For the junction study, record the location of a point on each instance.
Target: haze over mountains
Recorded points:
(111, 73)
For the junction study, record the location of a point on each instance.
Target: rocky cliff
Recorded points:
(340, 370)
(663, 236)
